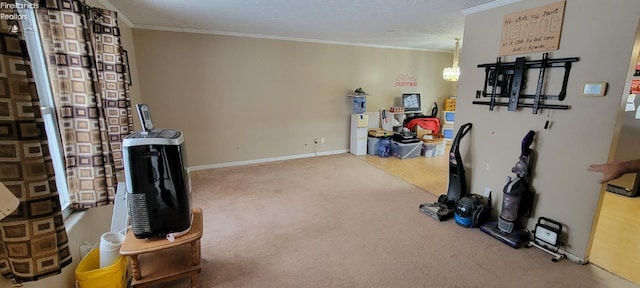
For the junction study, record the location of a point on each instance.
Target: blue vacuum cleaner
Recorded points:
(517, 201)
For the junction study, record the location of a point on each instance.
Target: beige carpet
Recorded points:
(336, 221)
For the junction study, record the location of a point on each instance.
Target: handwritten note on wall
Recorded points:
(532, 30)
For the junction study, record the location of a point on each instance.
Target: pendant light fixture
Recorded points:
(453, 73)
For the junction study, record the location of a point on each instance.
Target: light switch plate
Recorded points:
(594, 89)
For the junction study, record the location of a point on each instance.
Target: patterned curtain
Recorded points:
(33, 240)
(89, 77)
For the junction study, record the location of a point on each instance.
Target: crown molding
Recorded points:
(487, 6)
(272, 37)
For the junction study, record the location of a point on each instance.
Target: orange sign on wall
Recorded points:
(635, 86)
(532, 30)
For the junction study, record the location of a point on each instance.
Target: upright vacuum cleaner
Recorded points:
(517, 201)
(446, 205)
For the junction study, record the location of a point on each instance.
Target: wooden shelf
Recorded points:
(156, 260)
(132, 245)
(156, 269)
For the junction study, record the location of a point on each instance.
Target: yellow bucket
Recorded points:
(90, 275)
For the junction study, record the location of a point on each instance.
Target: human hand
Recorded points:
(610, 171)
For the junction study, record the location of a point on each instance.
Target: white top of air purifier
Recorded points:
(154, 137)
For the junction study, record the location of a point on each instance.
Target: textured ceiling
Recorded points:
(413, 24)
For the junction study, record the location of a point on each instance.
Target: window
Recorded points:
(47, 104)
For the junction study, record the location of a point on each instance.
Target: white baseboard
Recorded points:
(574, 258)
(264, 160)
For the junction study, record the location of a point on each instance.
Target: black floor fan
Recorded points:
(445, 207)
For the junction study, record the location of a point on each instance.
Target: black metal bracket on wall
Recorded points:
(507, 79)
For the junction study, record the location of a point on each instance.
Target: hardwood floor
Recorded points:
(616, 244)
(428, 173)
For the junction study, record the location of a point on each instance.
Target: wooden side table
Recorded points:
(163, 260)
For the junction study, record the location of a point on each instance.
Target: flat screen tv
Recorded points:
(411, 102)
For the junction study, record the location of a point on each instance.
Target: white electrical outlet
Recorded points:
(321, 139)
(487, 191)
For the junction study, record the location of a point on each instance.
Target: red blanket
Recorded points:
(432, 124)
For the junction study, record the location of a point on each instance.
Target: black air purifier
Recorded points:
(158, 188)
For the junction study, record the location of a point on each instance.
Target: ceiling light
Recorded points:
(453, 73)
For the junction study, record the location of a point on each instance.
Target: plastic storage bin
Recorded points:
(433, 149)
(372, 145)
(90, 275)
(447, 132)
(449, 117)
(406, 150)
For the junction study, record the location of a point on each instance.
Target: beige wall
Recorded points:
(241, 99)
(90, 225)
(602, 35)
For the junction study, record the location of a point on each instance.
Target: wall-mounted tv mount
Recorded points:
(507, 80)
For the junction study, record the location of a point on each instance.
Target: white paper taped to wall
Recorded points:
(630, 106)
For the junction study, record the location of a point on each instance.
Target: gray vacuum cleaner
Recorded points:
(517, 201)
